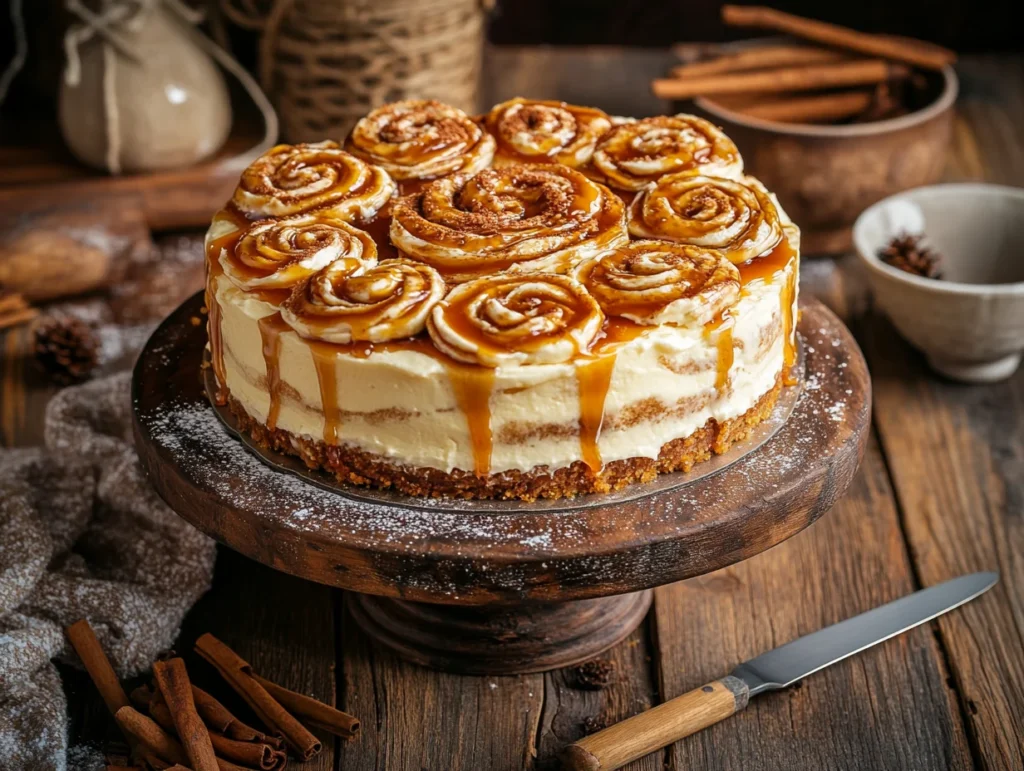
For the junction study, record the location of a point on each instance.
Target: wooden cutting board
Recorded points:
(38, 173)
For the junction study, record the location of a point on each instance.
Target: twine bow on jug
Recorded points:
(142, 92)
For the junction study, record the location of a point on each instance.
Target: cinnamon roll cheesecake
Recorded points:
(542, 301)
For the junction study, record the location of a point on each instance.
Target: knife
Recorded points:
(684, 715)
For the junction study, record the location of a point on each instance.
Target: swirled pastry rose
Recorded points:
(278, 254)
(736, 218)
(546, 132)
(421, 139)
(534, 318)
(518, 218)
(659, 282)
(389, 301)
(635, 154)
(296, 179)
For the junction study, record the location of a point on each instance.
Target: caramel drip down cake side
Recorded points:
(541, 301)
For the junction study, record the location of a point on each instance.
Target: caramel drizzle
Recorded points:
(377, 228)
(473, 387)
(583, 116)
(271, 328)
(324, 361)
(768, 267)
(687, 158)
(594, 377)
(213, 270)
(722, 326)
(494, 239)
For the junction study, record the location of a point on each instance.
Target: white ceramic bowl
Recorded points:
(970, 324)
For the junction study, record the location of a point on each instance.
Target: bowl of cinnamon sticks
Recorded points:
(829, 118)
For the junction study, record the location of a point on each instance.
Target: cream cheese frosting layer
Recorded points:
(636, 153)
(421, 139)
(535, 131)
(514, 218)
(405, 402)
(736, 218)
(296, 179)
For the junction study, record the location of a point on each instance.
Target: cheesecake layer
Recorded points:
(637, 390)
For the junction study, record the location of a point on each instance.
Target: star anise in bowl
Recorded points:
(908, 253)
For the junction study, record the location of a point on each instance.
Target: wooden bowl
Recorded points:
(826, 175)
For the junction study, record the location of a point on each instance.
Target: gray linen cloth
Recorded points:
(83, 535)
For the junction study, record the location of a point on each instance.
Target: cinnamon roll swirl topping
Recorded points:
(738, 219)
(389, 301)
(659, 282)
(295, 179)
(635, 154)
(534, 318)
(546, 131)
(517, 218)
(278, 254)
(421, 139)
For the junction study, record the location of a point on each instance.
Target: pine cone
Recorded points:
(907, 253)
(66, 348)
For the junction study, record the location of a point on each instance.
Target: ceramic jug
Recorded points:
(139, 93)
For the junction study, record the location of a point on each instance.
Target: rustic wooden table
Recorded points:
(940, 493)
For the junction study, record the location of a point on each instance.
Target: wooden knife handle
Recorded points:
(657, 727)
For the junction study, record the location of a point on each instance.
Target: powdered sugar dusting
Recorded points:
(463, 531)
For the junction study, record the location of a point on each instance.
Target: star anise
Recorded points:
(907, 252)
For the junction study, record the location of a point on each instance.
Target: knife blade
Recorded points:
(778, 668)
(795, 660)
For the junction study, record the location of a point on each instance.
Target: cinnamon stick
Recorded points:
(253, 754)
(141, 696)
(811, 78)
(176, 688)
(316, 712)
(83, 640)
(219, 719)
(914, 52)
(15, 318)
(760, 58)
(238, 673)
(157, 741)
(11, 301)
(151, 736)
(810, 109)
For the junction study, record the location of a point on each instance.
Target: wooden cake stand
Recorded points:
(499, 587)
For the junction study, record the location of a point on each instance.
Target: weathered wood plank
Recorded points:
(956, 454)
(571, 711)
(24, 390)
(414, 718)
(889, 707)
(283, 626)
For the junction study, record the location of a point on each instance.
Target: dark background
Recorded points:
(965, 25)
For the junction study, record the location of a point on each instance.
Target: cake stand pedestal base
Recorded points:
(502, 640)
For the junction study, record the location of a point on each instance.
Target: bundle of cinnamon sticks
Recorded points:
(173, 724)
(840, 74)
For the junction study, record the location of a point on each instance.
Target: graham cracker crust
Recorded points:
(358, 467)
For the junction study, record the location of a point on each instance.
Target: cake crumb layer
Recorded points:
(350, 465)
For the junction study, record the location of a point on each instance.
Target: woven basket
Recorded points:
(326, 63)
